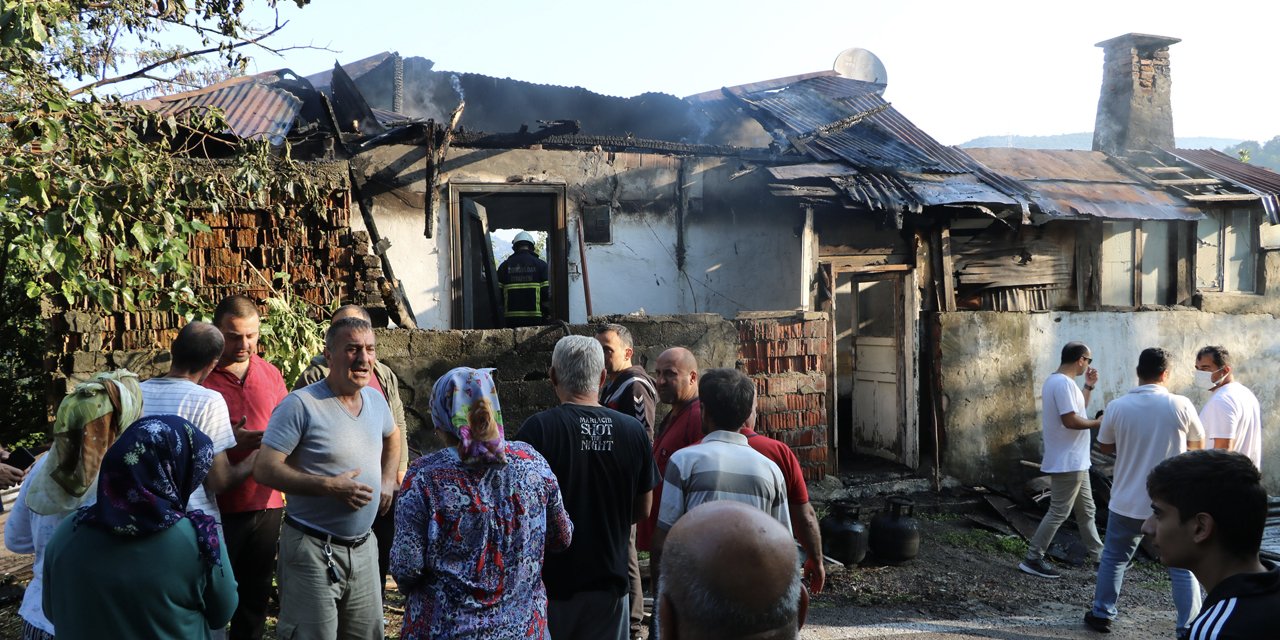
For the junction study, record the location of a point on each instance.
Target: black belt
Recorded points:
(327, 537)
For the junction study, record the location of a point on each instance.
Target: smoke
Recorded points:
(457, 87)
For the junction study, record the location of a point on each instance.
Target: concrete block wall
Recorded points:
(522, 357)
(786, 355)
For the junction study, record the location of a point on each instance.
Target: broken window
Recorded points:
(596, 227)
(485, 220)
(1226, 243)
(1138, 263)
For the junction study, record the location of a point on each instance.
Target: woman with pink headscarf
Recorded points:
(473, 521)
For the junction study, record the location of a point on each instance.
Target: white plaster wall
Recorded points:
(744, 260)
(738, 257)
(637, 271)
(420, 263)
(1116, 339)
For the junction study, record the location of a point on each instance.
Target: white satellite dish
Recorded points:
(860, 64)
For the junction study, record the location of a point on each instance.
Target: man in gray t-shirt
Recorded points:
(332, 448)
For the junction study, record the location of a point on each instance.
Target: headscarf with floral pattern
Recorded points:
(452, 397)
(147, 477)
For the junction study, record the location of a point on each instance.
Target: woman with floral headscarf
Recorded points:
(473, 521)
(137, 563)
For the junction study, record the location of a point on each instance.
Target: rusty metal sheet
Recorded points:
(1084, 183)
(1051, 164)
(253, 107)
(1258, 180)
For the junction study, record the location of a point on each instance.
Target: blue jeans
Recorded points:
(1123, 535)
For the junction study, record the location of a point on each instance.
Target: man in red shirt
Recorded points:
(251, 512)
(677, 381)
(804, 522)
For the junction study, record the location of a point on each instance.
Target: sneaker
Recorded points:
(1039, 567)
(1101, 625)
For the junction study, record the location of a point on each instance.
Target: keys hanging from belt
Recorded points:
(330, 567)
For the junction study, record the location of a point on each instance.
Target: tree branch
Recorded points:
(170, 60)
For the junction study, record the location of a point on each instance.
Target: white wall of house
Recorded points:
(743, 248)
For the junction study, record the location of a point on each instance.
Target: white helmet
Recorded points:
(523, 236)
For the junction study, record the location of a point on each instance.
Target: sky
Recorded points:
(959, 70)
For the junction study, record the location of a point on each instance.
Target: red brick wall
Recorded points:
(326, 261)
(786, 355)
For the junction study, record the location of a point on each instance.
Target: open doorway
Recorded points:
(875, 401)
(484, 220)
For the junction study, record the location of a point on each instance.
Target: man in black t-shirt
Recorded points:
(1209, 511)
(604, 464)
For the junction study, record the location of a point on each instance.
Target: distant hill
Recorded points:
(1084, 142)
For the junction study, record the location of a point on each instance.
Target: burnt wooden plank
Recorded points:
(948, 279)
(1021, 522)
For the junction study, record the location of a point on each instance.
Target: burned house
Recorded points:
(950, 277)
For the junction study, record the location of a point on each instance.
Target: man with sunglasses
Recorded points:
(1067, 441)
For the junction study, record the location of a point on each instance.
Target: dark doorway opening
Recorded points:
(485, 219)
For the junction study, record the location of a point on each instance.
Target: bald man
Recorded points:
(676, 380)
(730, 571)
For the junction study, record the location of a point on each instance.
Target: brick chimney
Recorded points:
(1134, 110)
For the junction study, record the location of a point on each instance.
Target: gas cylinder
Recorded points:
(844, 537)
(895, 533)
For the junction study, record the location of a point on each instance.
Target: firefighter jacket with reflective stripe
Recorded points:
(524, 284)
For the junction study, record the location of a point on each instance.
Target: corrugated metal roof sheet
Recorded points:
(913, 192)
(252, 105)
(833, 117)
(1084, 183)
(1258, 180)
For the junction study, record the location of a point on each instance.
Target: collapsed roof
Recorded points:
(823, 137)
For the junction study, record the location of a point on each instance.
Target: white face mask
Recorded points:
(1204, 379)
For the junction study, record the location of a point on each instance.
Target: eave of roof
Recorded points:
(254, 106)
(1084, 183)
(1257, 180)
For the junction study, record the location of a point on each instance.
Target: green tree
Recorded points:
(95, 195)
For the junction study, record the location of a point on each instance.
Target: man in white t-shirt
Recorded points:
(1067, 441)
(195, 352)
(1232, 417)
(1142, 428)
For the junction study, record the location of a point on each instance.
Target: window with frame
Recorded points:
(1138, 263)
(1226, 250)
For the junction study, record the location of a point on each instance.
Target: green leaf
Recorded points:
(140, 235)
(93, 239)
(38, 32)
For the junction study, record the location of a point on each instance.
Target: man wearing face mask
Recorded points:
(1232, 418)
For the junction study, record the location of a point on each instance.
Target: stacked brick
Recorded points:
(327, 263)
(785, 354)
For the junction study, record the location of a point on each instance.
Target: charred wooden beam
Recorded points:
(482, 140)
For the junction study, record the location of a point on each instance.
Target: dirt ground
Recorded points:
(965, 583)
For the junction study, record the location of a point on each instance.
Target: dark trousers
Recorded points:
(384, 529)
(252, 537)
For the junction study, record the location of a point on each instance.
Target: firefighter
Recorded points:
(524, 284)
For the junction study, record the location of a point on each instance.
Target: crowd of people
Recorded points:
(1205, 510)
(176, 507)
